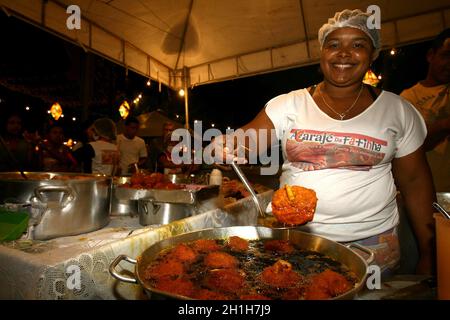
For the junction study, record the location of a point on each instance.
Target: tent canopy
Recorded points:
(151, 124)
(194, 42)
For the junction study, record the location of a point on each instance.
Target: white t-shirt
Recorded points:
(434, 104)
(347, 163)
(130, 151)
(105, 155)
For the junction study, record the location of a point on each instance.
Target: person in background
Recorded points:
(355, 146)
(54, 156)
(157, 147)
(100, 155)
(165, 162)
(133, 152)
(431, 97)
(19, 152)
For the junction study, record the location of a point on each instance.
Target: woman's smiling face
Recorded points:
(346, 56)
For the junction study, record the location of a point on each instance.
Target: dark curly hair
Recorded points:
(440, 39)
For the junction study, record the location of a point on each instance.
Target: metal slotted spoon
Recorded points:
(264, 219)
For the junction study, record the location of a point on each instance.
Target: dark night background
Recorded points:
(37, 69)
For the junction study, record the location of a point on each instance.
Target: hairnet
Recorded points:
(351, 19)
(105, 128)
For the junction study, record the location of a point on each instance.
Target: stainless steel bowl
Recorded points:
(155, 212)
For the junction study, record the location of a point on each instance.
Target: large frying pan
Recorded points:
(302, 240)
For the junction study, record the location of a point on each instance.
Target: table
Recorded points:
(45, 269)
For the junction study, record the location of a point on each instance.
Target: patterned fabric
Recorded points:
(42, 269)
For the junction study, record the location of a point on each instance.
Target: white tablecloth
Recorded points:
(42, 269)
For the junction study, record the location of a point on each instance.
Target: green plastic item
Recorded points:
(12, 225)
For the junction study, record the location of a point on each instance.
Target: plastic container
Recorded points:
(215, 177)
(12, 224)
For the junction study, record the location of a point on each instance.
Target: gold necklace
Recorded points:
(342, 114)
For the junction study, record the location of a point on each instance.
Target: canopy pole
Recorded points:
(186, 98)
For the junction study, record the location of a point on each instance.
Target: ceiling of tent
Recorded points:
(216, 40)
(151, 124)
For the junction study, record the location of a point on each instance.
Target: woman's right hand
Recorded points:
(217, 151)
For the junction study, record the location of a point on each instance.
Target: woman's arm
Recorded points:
(413, 179)
(265, 130)
(259, 133)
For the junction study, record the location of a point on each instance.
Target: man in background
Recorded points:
(54, 156)
(431, 97)
(16, 153)
(133, 152)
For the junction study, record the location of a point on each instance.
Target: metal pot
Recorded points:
(302, 240)
(178, 178)
(154, 212)
(62, 204)
(122, 206)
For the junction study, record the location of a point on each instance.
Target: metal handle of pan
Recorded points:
(370, 252)
(69, 194)
(441, 210)
(115, 274)
(247, 185)
(147, 201)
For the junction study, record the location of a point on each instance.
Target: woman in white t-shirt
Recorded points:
(355, 146)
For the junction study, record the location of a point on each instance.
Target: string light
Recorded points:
(371, 78)
(149, 83)
(74, 119)
(181, 92)
(27, 108)
(212, 125)
(124, 109)
(56, 111)
(393, 52)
